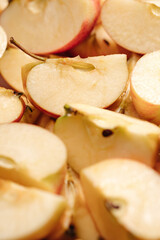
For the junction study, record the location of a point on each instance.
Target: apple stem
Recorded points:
(12, 41)
(69, 110)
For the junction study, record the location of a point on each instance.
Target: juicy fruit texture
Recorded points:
(10, 67)
(122, 197)
(11, 106)
(32, 213)
(145, 87)
(125, 21)
(32, 156)
(92, 135)
(3, 41)
(49, 23)
(97, 81)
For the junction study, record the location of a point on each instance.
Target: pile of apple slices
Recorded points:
(70, 168)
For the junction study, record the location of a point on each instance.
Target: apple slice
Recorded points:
(97, 81)
(10, 67)
(3, 41)
(122, 196)
(3, 5)
(11, 106)
(92, 135)
(85, 227)
(132, 24)
(96, 44)
(124, 103)
(50, 26)
(145, 87)
(32, 156)
(27, 213)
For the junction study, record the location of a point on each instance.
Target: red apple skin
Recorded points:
(86, 28)
(146, 110)
(22, 112)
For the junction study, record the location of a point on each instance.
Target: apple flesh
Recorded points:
(125, 21)
(124, 103)
(50, 23)
(96, 44)
(10, 67)
(92, 135)
(3, 41)
(27, 213)
(97, 81)
(11, 106)
(122, 197)
(32, 156)
(3, 5)
(145, 87)
(82, 216)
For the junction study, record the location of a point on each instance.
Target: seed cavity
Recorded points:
(111, 206)
(106, 42)
(107, 133)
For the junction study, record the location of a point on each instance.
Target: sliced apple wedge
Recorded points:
(27, 213)
(92, 135)
(10, 67)
(3, 5)
(145, 87)
(11, 106)
(97, 81)
(132, 24)
(47, 26)
(96, 44)
(122, 196)
(32, 156)
(85, 227)
(3, 41)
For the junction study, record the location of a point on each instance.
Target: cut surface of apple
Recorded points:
(49, 26)
(96, 44)
(85, 227)
(32, 156)
(92, 135)
(11, 106)
(27, 213)
(145, 87)
(3, 5)
(3, 41)
(122, 196)
(97, 81)
(132, 24)
(10, 67)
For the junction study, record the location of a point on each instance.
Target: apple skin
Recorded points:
(25, 70)
(22, 112)
(84, 32)
(152, 111)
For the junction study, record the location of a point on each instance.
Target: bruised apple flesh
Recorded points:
(97, 81)
(32, 156)
(49, 26)
(123, 198)
(92, 135)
